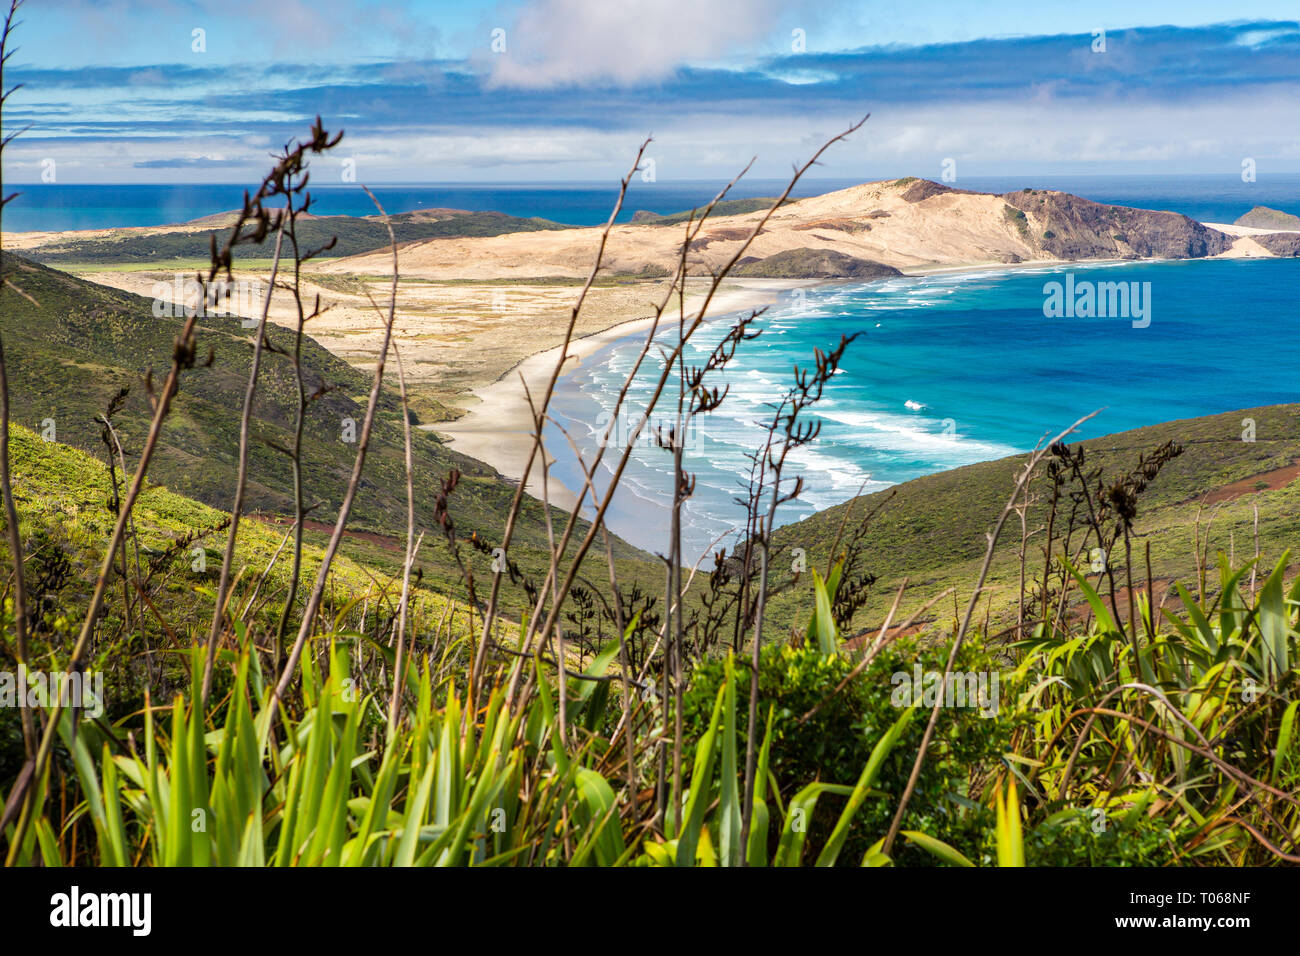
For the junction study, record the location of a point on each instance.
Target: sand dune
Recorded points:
(910, 224)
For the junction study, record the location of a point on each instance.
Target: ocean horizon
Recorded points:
(57, 207)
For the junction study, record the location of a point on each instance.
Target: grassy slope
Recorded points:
(933, 529)
(70, 354)
(726, 207)
(62, 497)
(354, 234)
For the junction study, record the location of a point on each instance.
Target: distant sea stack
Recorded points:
(1262, 217)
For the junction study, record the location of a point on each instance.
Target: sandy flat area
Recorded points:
(467, 346)
(454, 336)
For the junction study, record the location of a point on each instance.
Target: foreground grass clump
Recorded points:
(1104, 766)
(818, 733)
(66, 500)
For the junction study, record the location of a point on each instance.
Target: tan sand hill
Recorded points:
(908, 224)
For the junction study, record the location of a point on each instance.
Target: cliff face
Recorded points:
(1281, 243)
(1069, 227)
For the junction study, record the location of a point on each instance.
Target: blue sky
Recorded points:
(127, 91)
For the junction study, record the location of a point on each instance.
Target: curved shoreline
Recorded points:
(498, 430)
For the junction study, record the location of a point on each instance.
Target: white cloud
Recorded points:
(554, 43)
(986, 139)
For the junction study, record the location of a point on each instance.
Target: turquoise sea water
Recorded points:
(949, 370)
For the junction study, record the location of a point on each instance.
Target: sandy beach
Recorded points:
(498, 429)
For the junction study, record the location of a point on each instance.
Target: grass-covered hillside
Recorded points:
(64, 500)
(351, 235)
(931, 531)
(71, 346)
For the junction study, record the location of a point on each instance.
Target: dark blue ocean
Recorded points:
(60, 206)
(949, 370)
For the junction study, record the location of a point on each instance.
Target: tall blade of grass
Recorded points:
(1204, 630)
(413, 819)
(598, 813)
(49, 845)
(88, 776)
(794, 832)
(1275, 623)
(1286, 736)
(484, 792)
(197, 795)
(284, 850)
(821, 626)
(114, 829)
(380, 799)
(1099, 609)
(1232, 609)
(1010, 842)
(176, 849)
(729, 820)
(697, 799)
(446, 762)
(587, 698)
(756, 852)
(252, 846)
(327, 842)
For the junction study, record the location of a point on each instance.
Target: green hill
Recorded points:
(71, 350)
(354, 235)
(63, 494)
(932, 530)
